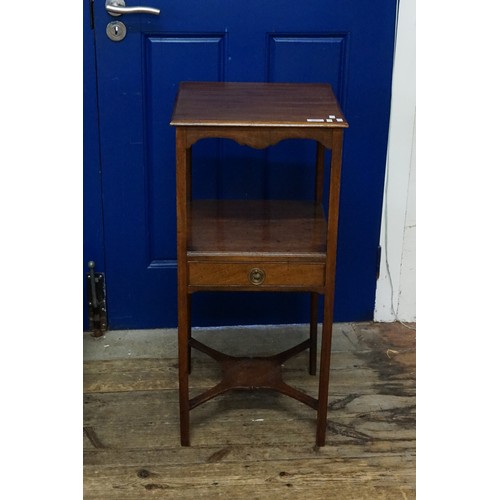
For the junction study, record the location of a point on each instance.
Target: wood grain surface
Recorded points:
(255, 444)
(257, 104)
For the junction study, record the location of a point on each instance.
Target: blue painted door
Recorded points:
(348, 44)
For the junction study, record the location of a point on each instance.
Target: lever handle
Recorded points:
(118, 7)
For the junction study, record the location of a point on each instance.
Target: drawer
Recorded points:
(256, 275)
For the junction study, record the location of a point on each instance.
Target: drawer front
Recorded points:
(256, 275)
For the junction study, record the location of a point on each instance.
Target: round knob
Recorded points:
(256, 276)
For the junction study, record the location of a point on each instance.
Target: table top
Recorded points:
(257, 105)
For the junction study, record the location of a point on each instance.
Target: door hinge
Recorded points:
(96, 299)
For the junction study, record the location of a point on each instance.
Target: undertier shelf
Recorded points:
(274, 229)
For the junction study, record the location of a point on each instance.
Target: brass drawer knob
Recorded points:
(256, 276)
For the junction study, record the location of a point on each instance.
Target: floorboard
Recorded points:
(250, 444)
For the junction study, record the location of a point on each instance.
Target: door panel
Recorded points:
(164, 57)
(348, 44)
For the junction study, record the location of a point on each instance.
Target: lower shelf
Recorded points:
(246, 229)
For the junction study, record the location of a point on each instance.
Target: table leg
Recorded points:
(183, 339)
(189, 332)
(182, 185)
(324, 371)
(331, 257)
(320, 172)
(318, 195)
(313, 334)
(189, 196)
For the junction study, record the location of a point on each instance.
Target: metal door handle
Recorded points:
(117, 8)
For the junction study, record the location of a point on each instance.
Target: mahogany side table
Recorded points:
(257, 245)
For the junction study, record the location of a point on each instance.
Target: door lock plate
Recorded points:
(116, 31)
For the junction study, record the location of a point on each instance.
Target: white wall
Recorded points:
(396, 296)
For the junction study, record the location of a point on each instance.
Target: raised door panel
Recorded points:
(168, 58)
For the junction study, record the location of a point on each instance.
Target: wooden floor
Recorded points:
(255, 445)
